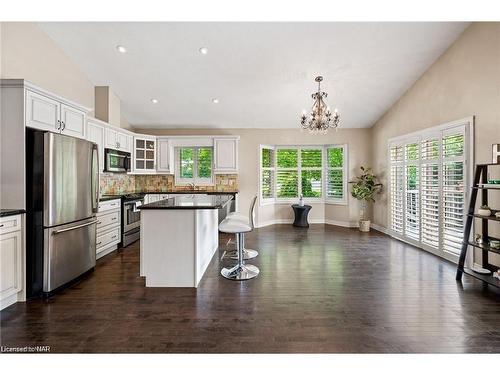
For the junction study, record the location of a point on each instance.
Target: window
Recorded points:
(287, 173)
(335, 172)
(267, 172)
(315, 172)
(427, 188)
(194, 165)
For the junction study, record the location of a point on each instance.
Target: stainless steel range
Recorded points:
(131, 215)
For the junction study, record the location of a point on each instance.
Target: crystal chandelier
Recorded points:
(321, 118)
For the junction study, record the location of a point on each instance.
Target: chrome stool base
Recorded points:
(240, 272)
(247, 254)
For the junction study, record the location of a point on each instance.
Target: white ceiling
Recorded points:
(263, 73)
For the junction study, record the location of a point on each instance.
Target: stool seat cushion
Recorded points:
(237, 216)
(230, 225)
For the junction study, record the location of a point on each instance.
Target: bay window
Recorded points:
(318, 173)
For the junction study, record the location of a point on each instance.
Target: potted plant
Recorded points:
(364, 188)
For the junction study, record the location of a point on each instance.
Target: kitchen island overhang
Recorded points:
(179, 237)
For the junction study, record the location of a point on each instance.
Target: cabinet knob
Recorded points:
(59, 124)
(63, 125)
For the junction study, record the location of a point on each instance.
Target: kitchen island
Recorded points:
(179, 237)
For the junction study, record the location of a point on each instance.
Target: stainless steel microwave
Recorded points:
(116, 161)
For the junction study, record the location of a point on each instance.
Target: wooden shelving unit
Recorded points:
(480, 177)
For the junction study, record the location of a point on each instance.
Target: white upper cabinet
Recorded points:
(164, 156)
(42, 112)
(72, 121)
(95, 133)
(124, 141)
(118, 140)
(226, 155)
(144, 156)
(52, 114)
(111, 138)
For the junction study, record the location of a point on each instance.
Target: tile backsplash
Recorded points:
(123, 183)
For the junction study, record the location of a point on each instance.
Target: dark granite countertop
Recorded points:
(192, 192)
(193, 202)
(11, 211)
(118, 196)
(111, 197)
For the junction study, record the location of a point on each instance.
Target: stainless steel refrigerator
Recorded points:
(62, 200)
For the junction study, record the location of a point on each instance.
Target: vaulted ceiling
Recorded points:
(262, 73)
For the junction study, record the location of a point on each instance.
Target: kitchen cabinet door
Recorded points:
(73, 121)
(164, 158)
(111, 138)
(42, 112)
(144, 155)
(122, 141)
(226, 155)
(95, 133)
(11, 266)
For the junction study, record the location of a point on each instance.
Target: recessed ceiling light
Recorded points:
(215, 100)
(121, 49)
(154, 101)
(203, 50)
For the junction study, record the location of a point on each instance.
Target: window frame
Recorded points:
(266, 201)
(199, 181)
(345, 179)
(324, 174)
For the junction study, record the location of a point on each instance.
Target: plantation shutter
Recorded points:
(430, 191)
(453, 191)
(428, 188)
(335, 172)
(267, 173)
(396, 188)
(412, 217)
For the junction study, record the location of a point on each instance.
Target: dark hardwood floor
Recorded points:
(322, 289)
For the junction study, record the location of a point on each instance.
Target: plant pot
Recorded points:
(484, 212)
(364, 225)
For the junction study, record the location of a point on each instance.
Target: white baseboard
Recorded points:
(106, 250)
(338, 223)
(6, 302)
(341, 223)
(379, 228)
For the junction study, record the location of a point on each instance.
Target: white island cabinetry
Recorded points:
(179, 237)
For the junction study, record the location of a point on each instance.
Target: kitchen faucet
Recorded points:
(191, 184)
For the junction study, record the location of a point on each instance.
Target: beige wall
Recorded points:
(29, 53)
(358, 141)
(464, 81)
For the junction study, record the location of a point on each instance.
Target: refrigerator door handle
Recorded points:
(73, 228)
(95, 178)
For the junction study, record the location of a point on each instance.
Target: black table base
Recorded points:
(301, 213)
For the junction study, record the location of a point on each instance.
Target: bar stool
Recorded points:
(250, 219)
(240, 271)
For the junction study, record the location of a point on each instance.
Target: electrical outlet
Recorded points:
(496, 153)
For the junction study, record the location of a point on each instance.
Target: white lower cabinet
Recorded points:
(108, 227)
(12, 256)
